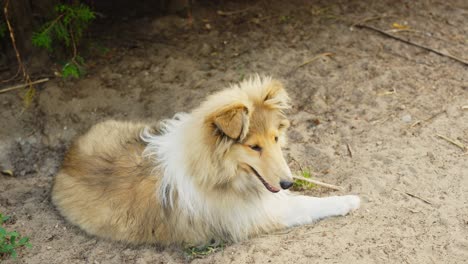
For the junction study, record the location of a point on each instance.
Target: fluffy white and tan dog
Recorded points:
(215, 173)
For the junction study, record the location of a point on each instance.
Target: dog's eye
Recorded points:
(256, 147)
(276, 139)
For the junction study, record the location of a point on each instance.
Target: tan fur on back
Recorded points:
(106, 187)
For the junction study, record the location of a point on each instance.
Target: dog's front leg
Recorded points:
(300, 209)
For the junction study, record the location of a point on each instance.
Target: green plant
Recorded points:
(304, 185)
(284, 18)
(10, 241)
(67, 29)
(202, 251)
(74, 68)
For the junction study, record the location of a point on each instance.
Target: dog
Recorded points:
(215, 173)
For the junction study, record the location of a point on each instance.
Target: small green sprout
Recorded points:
(301, 185)
(10, 241)
(194, 252)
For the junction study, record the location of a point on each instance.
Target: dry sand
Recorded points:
(354, 124)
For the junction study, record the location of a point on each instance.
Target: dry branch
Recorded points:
(19, 86)
(319, 183)
(414, 196)
(453, 142)
(367, 19)
(21, 67)
(427, 119)
(438, 52)
(230, 13)
(350, 151)
(326, 54)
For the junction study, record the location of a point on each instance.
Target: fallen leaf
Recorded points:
(8, 173)
(399, 26)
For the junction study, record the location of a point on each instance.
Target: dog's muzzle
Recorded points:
(265, 183)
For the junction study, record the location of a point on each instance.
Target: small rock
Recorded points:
(406, 118)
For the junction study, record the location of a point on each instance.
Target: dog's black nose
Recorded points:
(286, 184)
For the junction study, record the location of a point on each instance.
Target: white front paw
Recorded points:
(349, 203)
(354, 201)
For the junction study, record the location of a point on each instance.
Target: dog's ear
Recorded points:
(275, 96)
(232, 121)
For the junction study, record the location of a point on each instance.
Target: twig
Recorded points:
(315, 58)
(465, 107)
(319, 183)
(452, 141)
(350, 152)
(53, 23)
(414, 196)
(230, 13)
(309, 61)
(438, 52)
(362, 21)
(298, 163)
(427, 119)
(23, 85)
(13, 42)
(74, 44)
(13, 77)
(396, 30)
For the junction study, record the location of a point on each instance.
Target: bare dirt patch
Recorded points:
(365, 118)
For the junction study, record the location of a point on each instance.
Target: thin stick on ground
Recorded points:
(298, 163)
(12, 77)
(230, 13)
(326, 54)
(367, 19)
(350, 151)
(453, 142)
(319, 183)
(19, 86)
(427, 119)
(309, 61)
(438, 52)
(414, 196)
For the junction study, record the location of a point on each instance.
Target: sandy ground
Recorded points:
(354, 123)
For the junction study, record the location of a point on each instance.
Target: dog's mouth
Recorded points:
(265, 183)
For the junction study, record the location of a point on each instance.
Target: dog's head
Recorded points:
(245, 129)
